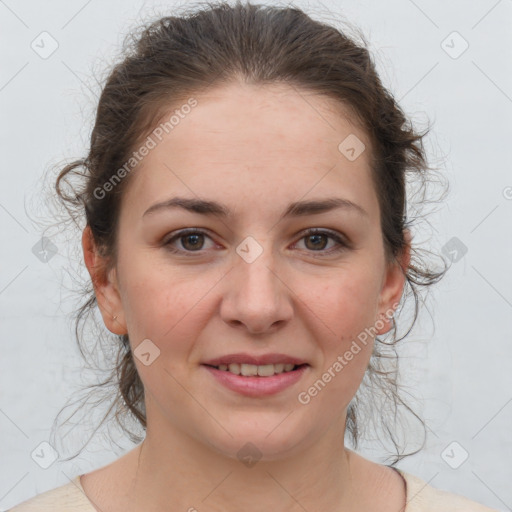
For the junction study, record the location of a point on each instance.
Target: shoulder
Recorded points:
(69, 497)
(421, 497)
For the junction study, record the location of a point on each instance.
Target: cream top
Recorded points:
(421, 497)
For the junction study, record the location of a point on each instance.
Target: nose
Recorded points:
(257, 297)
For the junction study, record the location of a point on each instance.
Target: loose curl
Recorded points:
(173, 58)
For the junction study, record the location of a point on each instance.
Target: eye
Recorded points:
(192, 240)
(315, 241)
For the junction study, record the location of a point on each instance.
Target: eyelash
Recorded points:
(342, 245)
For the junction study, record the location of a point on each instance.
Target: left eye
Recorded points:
(318, 240)
(192, 240)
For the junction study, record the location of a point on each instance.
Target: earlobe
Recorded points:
(105, 285)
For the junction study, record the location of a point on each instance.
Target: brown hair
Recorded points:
(176, 57)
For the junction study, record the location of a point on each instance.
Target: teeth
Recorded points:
(265, 370)
(234, 368)
(248, 370)
(251, 370)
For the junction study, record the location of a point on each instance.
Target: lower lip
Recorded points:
(257, 386)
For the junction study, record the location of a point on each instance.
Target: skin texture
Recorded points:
(254, 149)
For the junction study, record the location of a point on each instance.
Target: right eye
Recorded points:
(191, 241)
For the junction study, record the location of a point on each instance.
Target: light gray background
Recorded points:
(459, 371)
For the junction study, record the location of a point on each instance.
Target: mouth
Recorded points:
(252, 370)
(257, 381)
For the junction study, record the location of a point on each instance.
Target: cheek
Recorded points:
(345, 311)
(168, 312)
(346, 305)
(155, 310)
(164, 305)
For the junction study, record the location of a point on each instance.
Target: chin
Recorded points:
(260, 440)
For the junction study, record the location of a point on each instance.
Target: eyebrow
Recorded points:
(296, 209)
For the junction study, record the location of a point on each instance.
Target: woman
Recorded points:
(246, 239)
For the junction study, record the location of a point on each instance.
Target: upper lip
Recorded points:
(256, 360)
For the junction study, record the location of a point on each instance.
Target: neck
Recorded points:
(193, 477)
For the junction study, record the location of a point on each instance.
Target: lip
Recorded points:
(241, 358)
(257, 386)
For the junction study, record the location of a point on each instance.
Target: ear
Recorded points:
(393, 285)
(105, 285)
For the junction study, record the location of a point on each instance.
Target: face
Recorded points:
(249, 278)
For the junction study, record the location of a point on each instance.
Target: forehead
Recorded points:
(265, 138)
(282, 116)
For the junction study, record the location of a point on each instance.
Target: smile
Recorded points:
(257, 380)
(252, 370)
